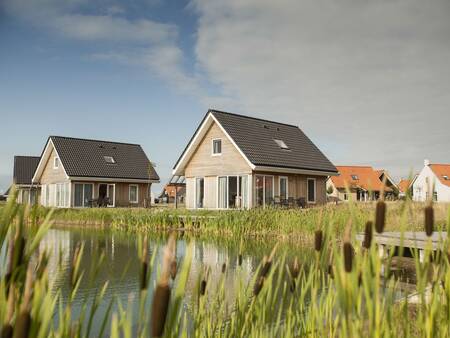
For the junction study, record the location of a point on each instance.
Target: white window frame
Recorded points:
(56, 162)
(113, 205)
(212, 147)
(82, 196)
(307, 190)
(287, 186)
(238, 191)
(264, 188)
(137, 193)
(195, 192)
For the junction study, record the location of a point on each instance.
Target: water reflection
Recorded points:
(121, 264)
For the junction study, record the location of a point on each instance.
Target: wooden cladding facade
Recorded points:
(209, 166)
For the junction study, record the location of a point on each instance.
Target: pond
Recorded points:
(121, 265)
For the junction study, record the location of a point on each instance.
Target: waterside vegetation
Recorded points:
(346, 290)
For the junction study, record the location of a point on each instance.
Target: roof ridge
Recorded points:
(252, 118)
(355, 166)
(94, 140)
(440, 164)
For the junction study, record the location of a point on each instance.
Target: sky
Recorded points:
(367, 81)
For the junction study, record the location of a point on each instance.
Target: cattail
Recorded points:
(224, 267)
(173, 269)
(144, 264)
(348, 256)
(161, 297)
(203, 287)
(295, 269)
(331, 271)
(23, 321)
(160, 306)
(267, 263)
(240, 259)
(429, 220)
(368, 235)
(7, 331)
(380, 216)
(258, 286)
(347, 247)
(318, 240)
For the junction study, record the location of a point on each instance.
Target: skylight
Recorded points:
(281, 144)
(445, 177)
(354, 177)
(109, 159)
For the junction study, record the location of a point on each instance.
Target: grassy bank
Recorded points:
(340, 292)
(257, 222)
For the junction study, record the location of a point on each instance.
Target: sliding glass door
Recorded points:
(199, 192)
(263, 190)
(232, 192)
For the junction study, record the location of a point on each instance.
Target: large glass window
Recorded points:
(264, 190)
(133, 193)
(311, 190)
(283, 188)
(199, 192)
(232, 192)
(222, 190)
(243, 187)
(82, 195)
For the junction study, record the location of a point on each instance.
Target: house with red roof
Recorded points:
(432, 182)
(358, 183)
(405, 187)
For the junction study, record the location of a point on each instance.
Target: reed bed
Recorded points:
(344, 290)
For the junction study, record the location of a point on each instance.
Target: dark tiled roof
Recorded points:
(24, 168)
(255, 137)
(85, 158)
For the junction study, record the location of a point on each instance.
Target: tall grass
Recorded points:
(345, 290)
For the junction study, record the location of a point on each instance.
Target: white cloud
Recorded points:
(371, 77)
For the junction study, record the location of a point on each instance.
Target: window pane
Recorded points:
(222, 203)
(268, 185)
(78, 201)
(217, 146)
(243, 184)
(87, 194)
(283, 188)
(232, 191)
(200, 187)
(133, 193)
(311, 190)
(259, 185)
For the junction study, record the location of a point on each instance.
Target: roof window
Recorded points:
(355, 177)
(109, 159)
(445, 177)
(281, 144)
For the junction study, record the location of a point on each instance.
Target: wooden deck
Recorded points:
(409, 239)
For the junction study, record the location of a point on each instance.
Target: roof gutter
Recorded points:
(112, 180)
(295, 171)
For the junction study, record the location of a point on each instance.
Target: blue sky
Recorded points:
(366, 81)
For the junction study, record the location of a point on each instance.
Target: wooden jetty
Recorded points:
(408, 240)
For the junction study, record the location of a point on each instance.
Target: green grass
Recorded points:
(335, 294)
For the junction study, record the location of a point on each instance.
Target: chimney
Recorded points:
(426, 163)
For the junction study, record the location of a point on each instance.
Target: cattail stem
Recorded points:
(380, 216)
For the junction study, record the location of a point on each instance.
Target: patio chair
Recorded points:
(301, 202)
